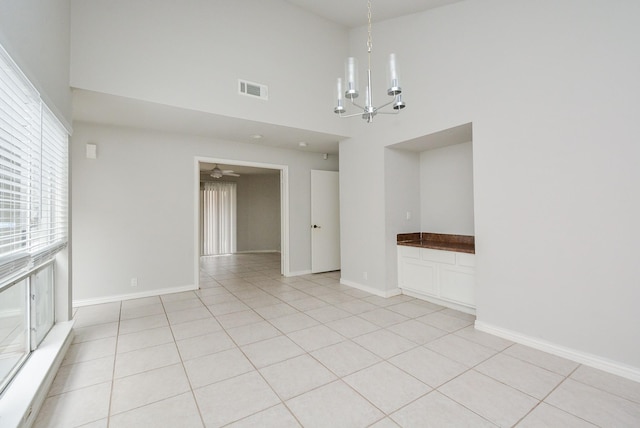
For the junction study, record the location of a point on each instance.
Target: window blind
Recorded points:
(219, 201)
(33, 174)
(51, 229)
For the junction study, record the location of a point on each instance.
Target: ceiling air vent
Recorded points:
(251, 89)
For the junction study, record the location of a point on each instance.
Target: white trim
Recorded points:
(368, 289)
(629, 372)
(9, 313)
(285, 267)
(130, 296)
(299, 273)
(284, 209)
(22, 399)
(255, 251)
(441, 302)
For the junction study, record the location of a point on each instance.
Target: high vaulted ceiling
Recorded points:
(108, 109)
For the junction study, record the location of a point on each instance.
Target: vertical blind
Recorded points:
(33, 174)
(218, 218)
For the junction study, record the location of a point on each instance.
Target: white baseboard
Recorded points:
(129, 296)
(374, 291)
(298, 273)
(441, 302)
(604, 364)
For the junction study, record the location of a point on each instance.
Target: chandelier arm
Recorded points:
(355, 104)
(386, 104)
(388, 112)
(349, 115)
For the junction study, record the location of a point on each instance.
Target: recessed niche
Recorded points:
(444, 162)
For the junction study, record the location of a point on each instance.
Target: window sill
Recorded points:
(20, 402)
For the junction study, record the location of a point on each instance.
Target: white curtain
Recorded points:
(218, 218)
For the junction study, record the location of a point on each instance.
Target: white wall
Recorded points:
(258, 222)
(551, 88)
(402, 209)
(134, 207)
(446, 190)
(362, 214)
(190, 54)
(36, 35)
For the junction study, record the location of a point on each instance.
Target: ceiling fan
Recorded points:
(218, 173)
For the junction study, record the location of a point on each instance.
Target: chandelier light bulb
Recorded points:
(394, 83)
(340, 95)
(351, 76)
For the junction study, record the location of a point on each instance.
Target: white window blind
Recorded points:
(218, 218)
(49, 230)
(33, 174)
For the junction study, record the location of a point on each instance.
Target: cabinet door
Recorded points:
(418, 275)
(458, 284)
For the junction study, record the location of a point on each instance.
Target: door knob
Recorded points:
(315, 226)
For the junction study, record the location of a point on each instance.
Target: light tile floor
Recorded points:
(254, 349)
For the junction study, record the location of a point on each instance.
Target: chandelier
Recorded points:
(350, 91)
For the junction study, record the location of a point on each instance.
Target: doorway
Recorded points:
(245, 168)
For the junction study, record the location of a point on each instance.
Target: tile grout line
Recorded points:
(284, 334)
(338, 378)
(184, 369)
(113, 371)
(266, 285)
(546, 396)
(135, 374)
(255, 369)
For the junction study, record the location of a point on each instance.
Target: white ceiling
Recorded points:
(107, 109)
(353, 13)
(95, 107)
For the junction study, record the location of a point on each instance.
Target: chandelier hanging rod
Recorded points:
(351, 79)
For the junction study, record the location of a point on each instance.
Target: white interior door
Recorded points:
(325, 221)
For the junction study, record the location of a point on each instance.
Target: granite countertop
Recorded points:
(438, 241)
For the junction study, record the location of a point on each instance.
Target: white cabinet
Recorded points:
(443, 277)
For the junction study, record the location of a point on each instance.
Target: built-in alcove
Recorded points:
(429, 188)
(442, 163)
(428, 185)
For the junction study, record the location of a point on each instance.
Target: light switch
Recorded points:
(92, 151)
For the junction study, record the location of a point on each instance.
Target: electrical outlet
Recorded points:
(408, 215)
(365, 275)
(134, 282)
